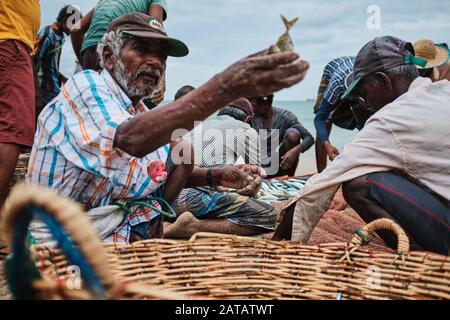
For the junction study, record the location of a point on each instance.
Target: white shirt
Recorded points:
(222, 141)
(411, 134)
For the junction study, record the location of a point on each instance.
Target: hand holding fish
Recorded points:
(266, 71)
(258, 174)
(258, 76)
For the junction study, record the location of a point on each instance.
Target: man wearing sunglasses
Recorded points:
(398, 166)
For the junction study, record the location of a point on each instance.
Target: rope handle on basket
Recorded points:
(362, 235)
(63, 217)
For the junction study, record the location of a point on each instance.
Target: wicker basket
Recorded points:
(230, 267)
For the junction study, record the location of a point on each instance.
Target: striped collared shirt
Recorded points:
(336, 71)
(74, 151)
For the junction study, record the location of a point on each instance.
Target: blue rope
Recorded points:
(22, 271)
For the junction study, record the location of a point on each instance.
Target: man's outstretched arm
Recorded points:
(255, 76)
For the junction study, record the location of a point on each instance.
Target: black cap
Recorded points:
(381, 54)
(143, 26)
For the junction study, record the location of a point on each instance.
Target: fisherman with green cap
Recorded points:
(98, 144)
(397, 167)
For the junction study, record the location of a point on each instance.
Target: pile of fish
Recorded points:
(280, 190)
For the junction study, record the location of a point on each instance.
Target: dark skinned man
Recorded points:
(98, 144)
(88, 33)
(222, 141)
(397, 167)
(19, 24)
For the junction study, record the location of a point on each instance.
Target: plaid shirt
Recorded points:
(336, 71)
(73, 149)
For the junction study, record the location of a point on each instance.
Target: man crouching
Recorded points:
(98, 144)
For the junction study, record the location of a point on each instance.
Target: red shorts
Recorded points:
(17, 122)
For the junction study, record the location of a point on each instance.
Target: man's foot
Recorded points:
(183, 227)
(166, 225)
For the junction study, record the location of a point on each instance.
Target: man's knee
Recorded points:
(355, 190)
(292, 137)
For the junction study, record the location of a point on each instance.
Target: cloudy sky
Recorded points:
(219, 32)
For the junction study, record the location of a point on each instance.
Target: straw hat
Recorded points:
(435, 55)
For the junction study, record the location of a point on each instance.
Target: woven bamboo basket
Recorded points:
(21, 168)
(223, 266)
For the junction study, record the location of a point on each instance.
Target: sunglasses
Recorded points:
(258, 99)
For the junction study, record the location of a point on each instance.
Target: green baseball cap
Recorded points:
(143, 26)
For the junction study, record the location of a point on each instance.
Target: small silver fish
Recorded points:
(284, 42)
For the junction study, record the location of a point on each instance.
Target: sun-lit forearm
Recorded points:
(150, 130)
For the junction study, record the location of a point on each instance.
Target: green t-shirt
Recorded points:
(108, 10)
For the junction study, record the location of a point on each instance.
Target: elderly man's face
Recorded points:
(140, 66)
